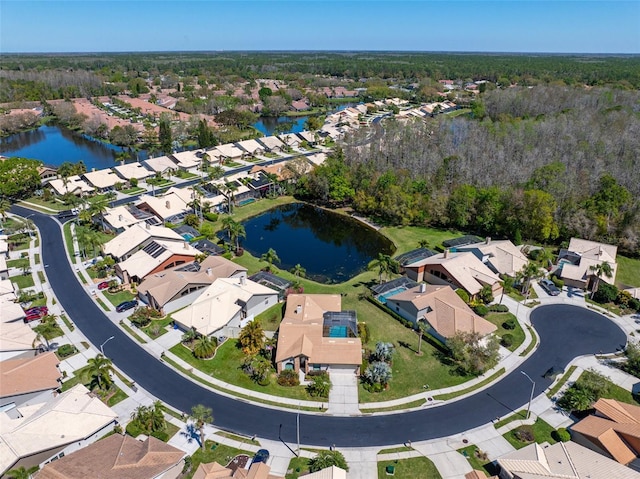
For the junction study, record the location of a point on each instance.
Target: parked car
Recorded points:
(103, 285)
(66, 214)
(549, 287)
(32, 317)
(261, 456)
(42, 310)
(126, 305)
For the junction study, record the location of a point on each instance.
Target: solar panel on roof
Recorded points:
(154, 249)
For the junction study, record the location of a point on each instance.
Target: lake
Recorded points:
(332, 248)
(268, 124)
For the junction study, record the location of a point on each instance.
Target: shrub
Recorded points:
(558, 282)
(634, 304)
(192, 220)
(133, 182)
(463, 294)
(377, 373)
(561, 435)
(525, 434)
(507, 340)
(213, 217)
(66, 350)
(606, 293)
(509, 324)
(288, 378)
(499, 308)
(363, 332)
(486, 294)
(320, 386)
(383, 352)
(326, 459)
(481, 310)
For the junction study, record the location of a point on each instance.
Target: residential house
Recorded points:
(171, 207)
(16, 339)
(118, 457)
(10, 310)
(187, 160)
(74, 184)
(272, 281)
(575, 263)
(271, 144)
(316, 159)
(208, 247)
(162, 164)
(441, 309)
(137, 237)
(28, 380)
(260, 183)
(414, 256)
(502, 256)
(308, 136)
(241, 195)
(315, 334)
(291, 140)
(333, 472)
(229, 152)
(462, 270)
(614, 430)
(300, 105)
(226, 306)
(251, 147)
(119, 218)
(156, 256)
(213, 470)
(37, 433)
(102, 180)
(177, 287)
(134, 170)
(563, 460)
(47, 173)
(461, 241)
(4, 269)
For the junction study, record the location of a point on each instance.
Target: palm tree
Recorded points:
(227, 224)
(236, 232)
(420, 329)
(216, 172)
(298, 271)
(252, 338)
(158, 422)
(528, 272)
(204, 347)
(384, 263)
(21, 472)
(4, 207)
(229, 190)
(423, 243)
(270, 257)
(99, 206)
(46, 329)
(603, 268)
(99, 370)
(201, 415)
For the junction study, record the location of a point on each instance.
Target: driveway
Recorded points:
(565, 332)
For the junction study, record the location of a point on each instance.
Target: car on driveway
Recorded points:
(261, 456)
(33, 317)
(103, 285)
(126, 305)
(41, 310)
(549, 287)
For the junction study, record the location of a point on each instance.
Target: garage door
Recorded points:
(342, 369)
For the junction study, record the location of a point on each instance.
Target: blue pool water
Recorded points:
(383, 297)
(246, 202)
(188, 236)
(338, 332)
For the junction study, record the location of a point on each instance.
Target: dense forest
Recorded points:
(543, 164)
(33, 77)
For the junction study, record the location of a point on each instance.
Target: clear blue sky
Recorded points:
(484, 26)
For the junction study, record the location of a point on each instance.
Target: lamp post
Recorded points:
(533, 387)
(102, 345)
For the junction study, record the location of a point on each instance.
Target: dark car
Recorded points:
(549, 287)
(103, 285)
(126, 305)
(261, 456)
(66, 214)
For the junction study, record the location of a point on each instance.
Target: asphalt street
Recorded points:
(565, 332)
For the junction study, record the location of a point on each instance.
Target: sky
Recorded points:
(471, 26)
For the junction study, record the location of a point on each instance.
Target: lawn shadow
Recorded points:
(406, 345)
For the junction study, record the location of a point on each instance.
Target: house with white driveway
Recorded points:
(575, 262)
(501, 256)
(28, 380)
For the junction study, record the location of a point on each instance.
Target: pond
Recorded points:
(54, 145)
(331, 247)
(284, 124)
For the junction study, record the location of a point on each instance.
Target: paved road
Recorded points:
(565, 332)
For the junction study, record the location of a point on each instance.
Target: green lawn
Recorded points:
(517, 416)
(19, 241)
(620, 394)
(119, 297)
(477, 461)
(213, 452)
(157, 323)
(270, 319)
(484, 382)
(23, 281)
(226, 367)
(628, 273)
(552, 392)
(499, 319)
(184, 175)
(541, 431)
(297, 466)
(52, 205)
(133, 191)
(406, 238)
(18, 263)
(68, 238)
(409, 469)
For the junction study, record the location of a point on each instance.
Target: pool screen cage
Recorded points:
(345, 321)
(414, 256)
(402, 282)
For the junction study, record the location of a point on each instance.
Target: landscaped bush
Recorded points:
(377, 376)
(481, 310)
(463, 294)
(507, 340)
(289, 378)
(143, 316)
(133, 182)
(634, 304)
(498, 308)
(509, 324)
(525, 433)
(320, 386)
(213, 217)
(258, 368)
(561, 435)
(192, 220)
(558, 282)
(607, 293)
(66, 350)
(589, 387)
(363, 332)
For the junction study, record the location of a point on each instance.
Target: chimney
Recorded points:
(120, 218)
(243, 280)
(298, 309)
(186, 245)
(167, 204)
(446, 253)
(423, 287)
(487, 240)
(148, 226)
(209, 272)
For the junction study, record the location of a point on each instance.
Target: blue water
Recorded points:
(331, 247)
(268, 124)
(246, 202)
(383, 297)
(188, 236)
(337, 331)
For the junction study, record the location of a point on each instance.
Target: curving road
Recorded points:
(565, 332)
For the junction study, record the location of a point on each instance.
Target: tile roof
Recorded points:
(75, 185)
(502, 255)
(120, 217)
(271, 142)
(333, 472)
(16, 336)
(160, 164)
(26, 375)
(144, 261)
(102, 178)
(115, 457)
(132, 238)
(591, 253)
(133, 170)
(250, 146)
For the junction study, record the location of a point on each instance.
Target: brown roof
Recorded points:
(301, 331)
(115, 457)
(21, 376)
(475, 474)
(212, 470)
(618, 411)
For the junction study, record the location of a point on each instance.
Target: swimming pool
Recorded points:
(337, 331)
(246, 202)
(383, 297)
(188, 236)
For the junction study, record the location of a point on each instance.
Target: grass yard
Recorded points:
(517, 416)
(19, 241)
(541, 432)
(484, 382)
(409, 469)
(565, 377)
(119, 297)
(47, 205)
(499, 319)
(213, 452)
(133, 191)
(298, 466)
(18, 263)
(619, 394)
(628, 273)
(226, 367)
(478, 460)
(68, 239)
(23, 281)
(270, 319)
(157, 324)
(406, 238)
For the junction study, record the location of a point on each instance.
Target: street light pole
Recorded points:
(533, 387)
(298, 429)
(102, 345)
